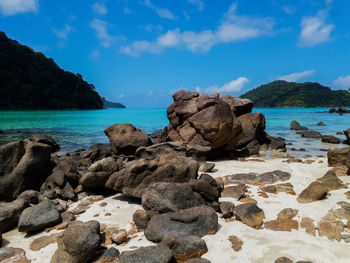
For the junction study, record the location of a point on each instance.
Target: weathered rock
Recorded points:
(156, 150)
(295, 126)
(258, 179)
(338, 156)
(67, 216)
(125, 138)
(197, 260)
(321, 123)
(39, 217)
(61, 182)
(80, 241)
(206, 190)
(250, 214)
(287, 213)
(109, 255)
(168, 197)
(185, 247)
(341, 170)
(99, 151)
(198, 221)
(283, 260)
(236, 243)
(45, 139)
(206, 167)
(236, 192)
(227, 209)
(155, 254)
(282, 225)
(13, 255)
(142, 217)
(43, 241)
(332, 230)
(331, 181)
(310, 134)
(118, 236)
(347, 135)
(141, 173)
(213, 182)
(308, 224)
(330, 139)
(24, 165)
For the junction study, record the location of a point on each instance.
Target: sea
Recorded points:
(77, 129)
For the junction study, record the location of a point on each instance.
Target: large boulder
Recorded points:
(45, 139)
(338, 156)
(155, 254)
(24, 165)
(141, 173)
(295, 126)
(330, 139)
(125, 138)
(314, 192)
(197, 221)
(347, 135)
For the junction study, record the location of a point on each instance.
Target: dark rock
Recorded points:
(331, 181)
(185, 247)
(45, 139)
(330, 139)
(197, 260)
(207, 191)
(314, 192)
(156, 150)
(310, 134)
(24, 165)
(142, 217)
(347, 135)
(38, 217)
(236, 191)
(258, 179)
(208, 178)
(99, 151)
(67, 216)
(250, 214)
(125, 138)
(321, 123)
(107, 255)
(168, 197)
(227, 209)
(283, 260)
(13, 255)
(339, 133)
(295, 126)
(155, 254)
(198, 221)
(141, 173)
(338, 156)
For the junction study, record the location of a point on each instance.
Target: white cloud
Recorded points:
(235, 85)
(63, 34)
(297, 76)
(289, 9)
(162, 12)
(342, 82)
(233, 28)
(94, 55)
(151, 28)
(315, 30)
(99, 9)
(121, 96)
(198, 3)
(101, 31)
(13, 7)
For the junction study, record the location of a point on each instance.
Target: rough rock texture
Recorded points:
(237, 191)
(295, 126)
(168, 197)
(99, 151)
(43, 241)
(63, 179)
(236, 243)
(198, 221)
(185, 247)
(331, 230)
(197, 260)
(308, 224)
(45, 139)
(338, 156)
(283, 260)
(142, 217)
(205, 189)
(347, 135)
(109, 255)
(314, 192)
(331, 181)
(258, 179)
(38, 217)
(155, 254)
(226, 209)
(330, 139)
(24, 165)
(125, 138)
(141, 173)
(250, 214)
(13, 255)
(310, 134)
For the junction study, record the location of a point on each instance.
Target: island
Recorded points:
(282, 93)
(114, 105)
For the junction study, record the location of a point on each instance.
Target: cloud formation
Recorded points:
(293, 77)
(233, 28)
(199, 4)
(342, 82)
(162, 12)
(235, 85)
(315, 29)
(100, 28)
(99, 9)
(13, 7)
(63, 34)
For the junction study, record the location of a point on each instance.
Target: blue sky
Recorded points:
(138, 52)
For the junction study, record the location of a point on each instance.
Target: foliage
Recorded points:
(109, 104)
(30, 80)
(282, 93)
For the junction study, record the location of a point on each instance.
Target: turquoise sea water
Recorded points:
(74, 129)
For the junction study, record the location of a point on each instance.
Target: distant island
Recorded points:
(109, 104)
(30, 80)
(282, 93)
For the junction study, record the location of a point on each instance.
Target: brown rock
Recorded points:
(341, 170)
(44, 241)
(283, 260)
(338, 156)
(282, 225)
(236, 192)
(118, 236)
(347, 194)
(331, 181)
(330, 230)
(314, 192)
(13, 255)
(236, 243)
(227, 209)
(287, 213)
(248, 200)
(250, 214)
(142, 217)
(308, 224)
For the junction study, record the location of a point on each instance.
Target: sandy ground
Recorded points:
(259, 246)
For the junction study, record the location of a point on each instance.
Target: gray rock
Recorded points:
(250, 214)
(67, 216)
(13, 255)
(330, 139)
(295, 126)
(45, 139)
(208, 192)
(197, 260)
(155, 254)
(310, 134)
(227, 209)
(142, 217)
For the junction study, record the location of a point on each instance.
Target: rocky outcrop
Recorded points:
(314, 192)
(310, 134)
(338, 156)
(347, 135)
(295, 126)
(15, 255)
(155, 254)
(24, 165)
(45, 139)
(330, 139)
(125, 138)
(258, 179)
(141, 173)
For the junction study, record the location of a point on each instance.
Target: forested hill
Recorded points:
(30, 80)
(109, 104)
(282, 93)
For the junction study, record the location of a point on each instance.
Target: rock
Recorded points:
(226, 209)
(155, 254)
(43, 241)
(330, 139)
(347, 135)
(213, 182)
(331, 181)
(63, 179)
(310, 134)
(314, 192)
(331, 230)
(13, 255)
(45, 139)
(295, 126)
(125, 138)
(197, 260)
(341, 170)
(142, 217)
(321, 123)
(118, 236)
(338, 156)
(250, 214)
(206, 167)
(109, 255)
(156, 150)
(206, 190)
(282, 225)
(24, 165)
(39, 217)
(287, 213)
(67, 216)
(168, 197)
(185, 247)
(236, 243)
(169, 168)
(80, 241)
(198, 221)
(99, 151)
(258, 179)
(236, 192)
(308, 224)
(283, 260)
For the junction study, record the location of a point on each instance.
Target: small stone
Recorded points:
(308, 224)
(236, 192)
(108, 214)
(226, 209)
(103, 204)
(250, 214)
(44, 241)
(287, 213)
(117, 235)
(13, 255)
(141, 218)
(283, 260)
(236, 243)
(331, 230)
(248, 200)
(67, 216)
(282, 225)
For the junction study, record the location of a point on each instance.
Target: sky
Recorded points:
(139, 52)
